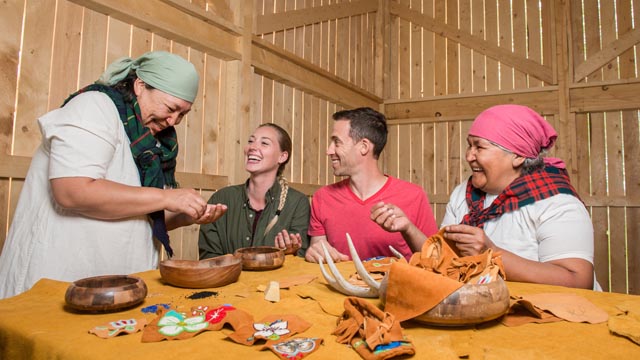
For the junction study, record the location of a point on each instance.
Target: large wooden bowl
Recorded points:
(471, 304)
(105, 293)
(208, 273)
(261, 257)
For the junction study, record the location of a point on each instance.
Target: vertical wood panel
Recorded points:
(519, 30)
(66, 53)
(479, 76)
(211, 127)
(533, 41)
(504, 26)
(404, 55)
(428, 54)
(491, 29)
(453, 86)
(10, 21)
(465, 65)
(33, 97)
(93, 54)
(428, 156)
(440, 49)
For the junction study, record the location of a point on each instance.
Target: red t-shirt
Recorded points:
(336, 210)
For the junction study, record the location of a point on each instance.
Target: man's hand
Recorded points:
(315, 252)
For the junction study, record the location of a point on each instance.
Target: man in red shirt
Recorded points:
(377, 210)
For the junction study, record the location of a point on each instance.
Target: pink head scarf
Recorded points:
(518, 129)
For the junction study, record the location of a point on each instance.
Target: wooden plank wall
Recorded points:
(451, 64)
(436, 64)
(66, 46)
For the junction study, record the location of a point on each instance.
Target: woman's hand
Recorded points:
(185, 201)
(211, 214)
(469, 240)
(289, 242)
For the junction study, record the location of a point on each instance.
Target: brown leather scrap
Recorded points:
(435, 273)
(551, 307)
(373, 333)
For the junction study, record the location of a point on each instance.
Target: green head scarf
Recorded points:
(164, 71)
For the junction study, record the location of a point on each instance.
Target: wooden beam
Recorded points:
(307, 189)
(605, 97)
(459, 107)
(290, 19)
(16, 167)
(201, 181)
(608, 53)
(613, 201)
(464, 38)
(13, 166)
(210, 16)
(281, 65)
(159, 17)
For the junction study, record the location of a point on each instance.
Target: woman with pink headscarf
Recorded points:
(520, 203)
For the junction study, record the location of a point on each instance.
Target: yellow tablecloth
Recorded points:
(36, 325)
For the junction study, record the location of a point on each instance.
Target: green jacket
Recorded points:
(233, 230)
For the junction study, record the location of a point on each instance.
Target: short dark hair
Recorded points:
(284, 140)
(125, 86)
(366, 123)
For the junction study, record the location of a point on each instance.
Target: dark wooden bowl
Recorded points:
(208, 273)
(471, 304)
(105, 293)
(261, 257)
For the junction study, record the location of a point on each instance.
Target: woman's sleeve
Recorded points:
(82, 136)
(456, 207)
(564, 229)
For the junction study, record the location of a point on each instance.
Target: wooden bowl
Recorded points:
(261, 257)
(469, 305)
(105, 293)
(208, 273)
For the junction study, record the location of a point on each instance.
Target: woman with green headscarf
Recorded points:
(101, 186)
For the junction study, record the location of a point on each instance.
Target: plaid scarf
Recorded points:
(155, 157)
(525, 190)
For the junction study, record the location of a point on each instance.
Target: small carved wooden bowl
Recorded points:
(208, 273)
(261, 257)
(105, 293)
(469, 305)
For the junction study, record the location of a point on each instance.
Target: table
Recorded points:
(36, 325)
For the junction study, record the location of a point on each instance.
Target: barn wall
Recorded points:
(430, 65)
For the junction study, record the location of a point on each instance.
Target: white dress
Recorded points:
(84, 139)
(555, 228)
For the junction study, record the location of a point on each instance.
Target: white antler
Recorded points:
(339, 283)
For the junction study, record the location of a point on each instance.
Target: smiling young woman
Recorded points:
(264, 211)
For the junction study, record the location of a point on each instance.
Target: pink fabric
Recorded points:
(518, 129)
(336, 210)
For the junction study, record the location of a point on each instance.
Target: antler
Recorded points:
(338, 282)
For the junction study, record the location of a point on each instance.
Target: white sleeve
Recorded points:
(564, 230)
(457, 206)
(82, 136)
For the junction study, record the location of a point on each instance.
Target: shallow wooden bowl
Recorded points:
(471, 304)
(105, 293)
(261, 257)
(208, 273)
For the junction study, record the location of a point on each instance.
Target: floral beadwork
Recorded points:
(271, 331)
(173, 323)
(113, 328)
(216, 315)
(295, 349)
(154, 308)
